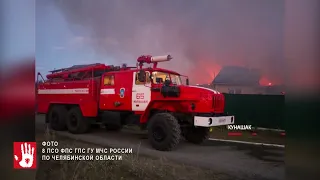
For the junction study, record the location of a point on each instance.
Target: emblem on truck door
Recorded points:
(122, 90)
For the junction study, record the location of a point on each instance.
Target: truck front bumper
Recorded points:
(213, 121)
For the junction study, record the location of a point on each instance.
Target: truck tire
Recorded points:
(76, 123)
(57, 117)
(164, 131)
(196, 135)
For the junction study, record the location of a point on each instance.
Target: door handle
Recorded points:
(134, 91)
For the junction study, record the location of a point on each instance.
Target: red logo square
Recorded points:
(24, 155)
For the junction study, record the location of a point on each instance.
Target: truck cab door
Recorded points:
(141, 92)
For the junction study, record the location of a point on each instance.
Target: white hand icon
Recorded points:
(26, 156)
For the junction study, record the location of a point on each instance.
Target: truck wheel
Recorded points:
(164, 132)
(76, 123)
(196, 135)
(113, 127)
(57, 118)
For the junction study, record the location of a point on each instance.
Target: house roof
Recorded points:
(235, 75)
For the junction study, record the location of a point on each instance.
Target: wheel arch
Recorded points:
(158, 106)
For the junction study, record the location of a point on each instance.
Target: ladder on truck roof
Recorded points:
(96, 70)
(74, 67)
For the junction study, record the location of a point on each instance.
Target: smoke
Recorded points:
(202, 36)
(301, 52)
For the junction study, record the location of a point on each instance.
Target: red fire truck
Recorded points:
(156, 99)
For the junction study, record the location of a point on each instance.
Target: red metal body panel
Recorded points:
(203, 98)
(87, 102)
(122, 79)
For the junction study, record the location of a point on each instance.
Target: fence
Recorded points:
(266, 111)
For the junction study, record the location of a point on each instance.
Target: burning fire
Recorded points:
(212, 70)
(205, 71)
(264, 81)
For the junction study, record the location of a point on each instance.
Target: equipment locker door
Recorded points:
(108, 93)
(141, 93)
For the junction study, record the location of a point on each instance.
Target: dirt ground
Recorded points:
(132, 167)
(227, 160)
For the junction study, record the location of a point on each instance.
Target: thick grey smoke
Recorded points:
(201, 35)
(302, 44)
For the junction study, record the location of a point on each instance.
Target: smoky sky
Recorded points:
(202, 35)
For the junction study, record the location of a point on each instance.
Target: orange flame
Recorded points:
(212, 70)
(264, 81)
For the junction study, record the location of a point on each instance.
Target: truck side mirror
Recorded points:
(142, 76)
(187, 81)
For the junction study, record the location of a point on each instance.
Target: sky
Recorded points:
(19, 29)
(57, 46)
(202, 36)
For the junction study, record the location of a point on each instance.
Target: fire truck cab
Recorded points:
(152, 97)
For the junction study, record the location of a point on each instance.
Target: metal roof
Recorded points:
(235, 75)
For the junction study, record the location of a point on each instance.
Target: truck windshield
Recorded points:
(175, 79)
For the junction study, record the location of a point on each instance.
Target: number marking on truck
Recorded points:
(140, 96)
